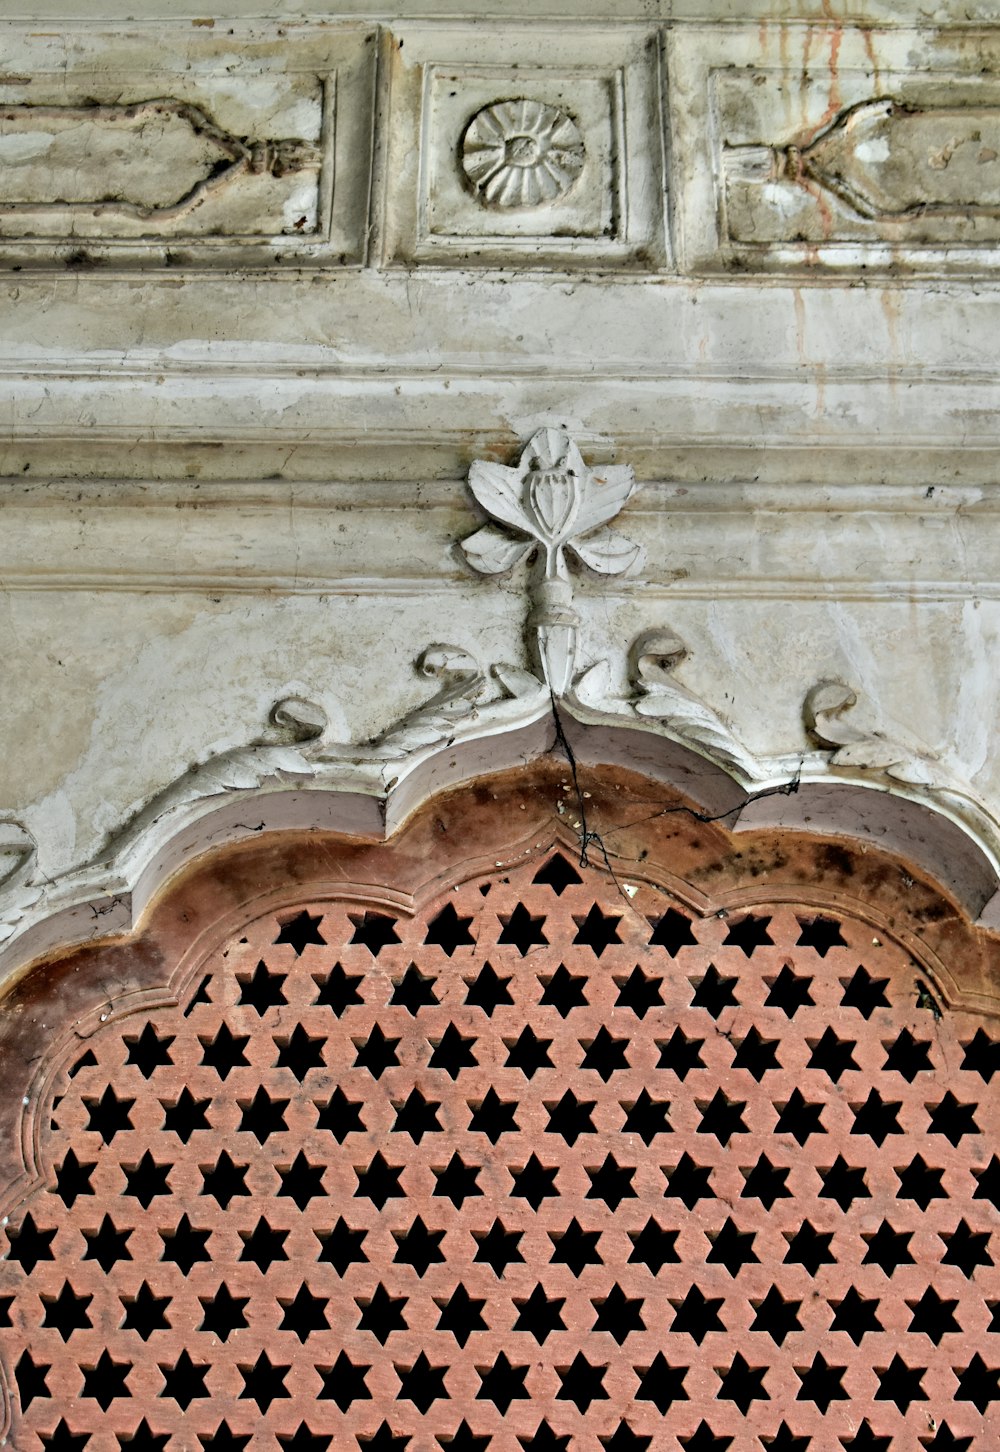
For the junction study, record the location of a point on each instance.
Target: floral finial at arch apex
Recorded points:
(553, 499)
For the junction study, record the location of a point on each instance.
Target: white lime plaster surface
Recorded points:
(234, 467)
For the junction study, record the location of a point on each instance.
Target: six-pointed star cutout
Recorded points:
(610, 1172)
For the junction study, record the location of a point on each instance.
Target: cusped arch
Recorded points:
(558, 1007)
(301, 783)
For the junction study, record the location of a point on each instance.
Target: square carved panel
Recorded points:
(525, 148)
(203, 146)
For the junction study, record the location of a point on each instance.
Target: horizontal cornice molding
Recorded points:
(956, 13)
(390, 376)
(704, 540)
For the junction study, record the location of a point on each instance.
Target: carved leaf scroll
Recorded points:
(250, 766)
(825, 708)
(658, 696)
(466, 695)
(154, 160)
(889, 160)
(461, 683)
(18, 862)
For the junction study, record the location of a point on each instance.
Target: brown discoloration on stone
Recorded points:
(662, 1078)
(650, 834)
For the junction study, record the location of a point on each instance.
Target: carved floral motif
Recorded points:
(552, 502)
(521, 154)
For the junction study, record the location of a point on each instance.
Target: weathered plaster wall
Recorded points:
(235, 451)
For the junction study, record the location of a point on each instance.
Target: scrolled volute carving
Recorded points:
(297, 729)
(19, 887)
(651, 659)
(461, 684)
(657, 696)
(824, 710)
(467, 696)
(298, 724)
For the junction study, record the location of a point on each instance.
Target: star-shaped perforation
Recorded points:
(542, 1153)
(262, 990)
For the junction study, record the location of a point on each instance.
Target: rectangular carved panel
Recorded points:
(200, 147)
(814, 146)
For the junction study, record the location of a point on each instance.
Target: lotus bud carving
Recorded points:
(551, 503)
(554, 501)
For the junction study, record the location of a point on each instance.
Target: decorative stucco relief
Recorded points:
(149, 150)
(162, 168)
(889, 160)
(836, 146)
(20, 882)
(824, 712)
(504, 147)
(553, 503)
(521, 153)
(550, 514)
(658, 697)
(893, 760)
(888, 168)
(154, 160)
(533, 149)
(468, 698)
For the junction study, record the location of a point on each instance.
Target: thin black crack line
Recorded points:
(787, 789)
(586, 835)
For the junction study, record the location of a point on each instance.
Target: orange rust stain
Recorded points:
(836, 40)
(889, 302)
(869, 45)
(800, 325)
(835, 100)
(822, 202)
